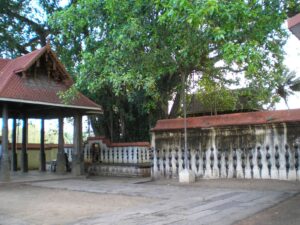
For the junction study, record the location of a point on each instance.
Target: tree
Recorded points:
(288, 86)
(216, 98)
(24, 26)
(130, 56)
(135, 52)
(292, 7)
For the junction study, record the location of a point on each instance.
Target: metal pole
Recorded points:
(184, 119)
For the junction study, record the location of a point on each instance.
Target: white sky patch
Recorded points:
(292, 61)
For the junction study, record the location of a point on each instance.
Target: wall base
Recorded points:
(186, 176)
(123, 170)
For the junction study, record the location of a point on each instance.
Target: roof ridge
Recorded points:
(29, 63)
(1, 74)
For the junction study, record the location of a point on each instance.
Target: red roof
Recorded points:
(235, 119)
(3, 63)
(294, 25)
(15, 88)
(119, 144)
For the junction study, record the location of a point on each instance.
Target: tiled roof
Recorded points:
(235, 119)
(3, 63)
(108, 143)
(294, 25)
(16, 88)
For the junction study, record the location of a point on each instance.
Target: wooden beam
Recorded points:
(24, 156)
(14, 164)
(61, 159)
(38, 63)
(54, 65)
(77, 159)
(42, 148)
(4, 159)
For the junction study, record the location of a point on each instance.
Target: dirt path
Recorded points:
(284, 213)
(22, 204)
(134, 202)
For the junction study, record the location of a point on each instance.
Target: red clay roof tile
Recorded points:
(15, 88)
(3, 63)
(235, 119)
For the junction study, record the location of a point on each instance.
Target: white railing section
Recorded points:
(103, 151)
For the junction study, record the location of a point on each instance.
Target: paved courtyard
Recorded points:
(139, 201)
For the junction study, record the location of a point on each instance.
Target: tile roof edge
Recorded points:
(5, 82)
(98, 109)
(41, 51)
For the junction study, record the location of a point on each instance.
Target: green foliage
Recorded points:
(23, 25)
(215, 97)
(68, 96)
(288, 86)
(129, 56)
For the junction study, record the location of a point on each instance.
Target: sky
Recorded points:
(292, 61)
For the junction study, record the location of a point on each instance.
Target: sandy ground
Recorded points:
(24, 204)
(103, 200)
(283, 213)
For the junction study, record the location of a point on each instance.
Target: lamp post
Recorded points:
(184, 119)
(186, 175)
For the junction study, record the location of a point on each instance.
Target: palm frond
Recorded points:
(295, 86)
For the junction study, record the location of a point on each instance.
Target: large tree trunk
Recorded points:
(176, 106)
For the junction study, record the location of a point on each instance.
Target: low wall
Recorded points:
(122, 170)
(117, 159)
(268, 149)
(33, 153)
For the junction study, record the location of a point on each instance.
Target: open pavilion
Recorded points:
(29, 88)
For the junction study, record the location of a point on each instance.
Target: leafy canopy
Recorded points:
(130, 55)
(24, 25)
(137, 51)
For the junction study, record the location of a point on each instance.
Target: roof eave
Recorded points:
(294, 25)
(89, 109)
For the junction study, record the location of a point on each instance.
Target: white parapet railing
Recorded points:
(117, 159)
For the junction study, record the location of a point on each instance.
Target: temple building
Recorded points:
(294, 25)
(29, 88)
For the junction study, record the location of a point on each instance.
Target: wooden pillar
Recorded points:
(77, 156)
(42, 147)
(14, 158)
(4, 157)
(61, 158)
(24, 156)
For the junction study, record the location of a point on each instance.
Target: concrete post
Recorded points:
(151, 156)
(186, 175)
(14, 158)
(42, 148)
(77, 156)
(61, 158)
(24, 156)
(4, 157)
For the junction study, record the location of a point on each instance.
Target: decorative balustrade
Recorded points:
(259, 145)
(268, 162)
(118, 158)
